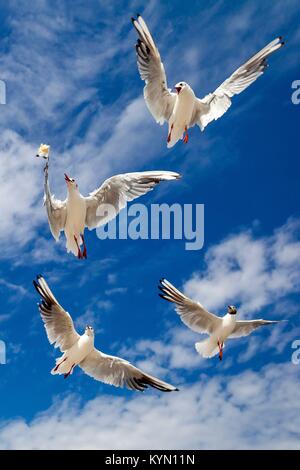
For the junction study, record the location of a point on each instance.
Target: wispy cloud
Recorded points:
(251, 271)
(253, 410)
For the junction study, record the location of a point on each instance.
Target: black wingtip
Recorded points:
(177, 390)
(132, 19)
(138, 15)
(39, 276)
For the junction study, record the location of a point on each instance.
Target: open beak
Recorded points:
(67, 179)
(178, 89)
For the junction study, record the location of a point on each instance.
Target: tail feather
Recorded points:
(71, 244)
(207, 348)
(62, 366)
(175, 134)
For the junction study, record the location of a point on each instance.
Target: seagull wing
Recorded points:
(56, 210)
(159, 99)
(58, 323)
(215, 104)
(116, 371)
(246, 327)
(192, 314)
(116, 191)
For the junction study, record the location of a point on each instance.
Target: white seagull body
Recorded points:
(79, 350)
(183, 109)
(77, 212)
(200, 320)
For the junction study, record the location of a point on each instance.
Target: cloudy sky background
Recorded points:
(72, 81)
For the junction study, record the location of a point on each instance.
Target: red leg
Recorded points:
(169, 135)
(186, 137)
(57, 366)
(79, 255)
(70, 372)
(84, 254)
(220, 345)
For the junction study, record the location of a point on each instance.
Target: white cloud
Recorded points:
(116, 290)
(256, 410)
(249, 271)
(19, 192)
(172, 352)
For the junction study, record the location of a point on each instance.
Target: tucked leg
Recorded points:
(186, 137)
(220, 345)
(57, 366)
(170, 133)
(84, 254)
(70, 372)
(79, 255)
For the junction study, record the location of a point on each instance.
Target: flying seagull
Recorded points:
(77, 212)
(181, 108)
(200, 320)
(79, 349)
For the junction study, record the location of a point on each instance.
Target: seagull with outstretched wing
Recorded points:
(77, 212)
(200, 320)
(79, 350)
(181, 108)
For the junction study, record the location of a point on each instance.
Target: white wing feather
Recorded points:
(159, 99)
(118, 190)
(192, 314)
(215, 104)
(58, 323)
(116, 371)
(246, 327)
(56, 210)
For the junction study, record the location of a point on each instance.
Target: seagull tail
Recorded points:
(71, 245)
(175, 134)
(207, 348)
(62, 366)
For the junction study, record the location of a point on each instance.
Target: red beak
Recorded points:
(67, 178)
(178, 89)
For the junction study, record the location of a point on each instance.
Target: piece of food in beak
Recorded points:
(43, 151)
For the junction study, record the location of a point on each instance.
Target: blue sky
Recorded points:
(72, 82)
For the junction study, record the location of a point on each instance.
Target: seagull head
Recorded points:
(71, 183)
(232, 310)
(89, 331)
(180, 86)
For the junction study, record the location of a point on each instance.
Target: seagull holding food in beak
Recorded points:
(77, 212)
(181, 108)
(79, 350)
(200, 320)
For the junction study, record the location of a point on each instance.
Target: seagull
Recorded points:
(200, 320)
(79, 349)
(77, 212)
(181, 108)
